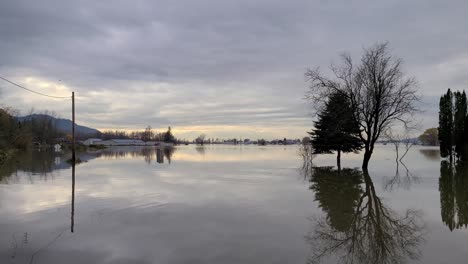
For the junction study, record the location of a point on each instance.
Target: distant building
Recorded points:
(92, 141)
(151, 143)
(121, 142)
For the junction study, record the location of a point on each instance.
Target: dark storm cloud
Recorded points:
(144, 40)
(222, 62)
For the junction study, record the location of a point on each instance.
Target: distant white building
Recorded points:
(121, 142)
(151, 143)
(92, 141)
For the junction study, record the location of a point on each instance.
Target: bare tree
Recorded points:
(148, 134)
(380, 94)
(200, 139)
(408, 145)
(397, 139)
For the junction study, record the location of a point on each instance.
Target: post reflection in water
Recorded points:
(358, 226)
(72, 226)
(453, 188)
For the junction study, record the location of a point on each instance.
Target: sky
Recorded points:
(222, 68)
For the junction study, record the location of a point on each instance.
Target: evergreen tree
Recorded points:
(459, 124)
(335, 129)
(465, 141)
(446, 124)
(453, 125)
(168, 137)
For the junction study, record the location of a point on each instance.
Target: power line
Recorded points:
(32, 91)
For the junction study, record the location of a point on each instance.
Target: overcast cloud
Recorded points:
(225, 68)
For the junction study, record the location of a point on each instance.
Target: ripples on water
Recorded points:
(232, 204)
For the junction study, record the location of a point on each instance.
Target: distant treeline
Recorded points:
(147, 135)
(21, 134)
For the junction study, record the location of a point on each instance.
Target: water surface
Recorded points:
(231, 204)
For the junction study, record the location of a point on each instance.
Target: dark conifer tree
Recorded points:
(465, 141)
(459, 124)
(446, 124)
(168, 137)
(335, 129)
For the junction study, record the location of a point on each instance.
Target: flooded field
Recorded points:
(232, 204)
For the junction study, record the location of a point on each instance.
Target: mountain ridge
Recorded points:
(63, 125)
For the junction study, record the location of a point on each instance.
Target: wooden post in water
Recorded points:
(73, 127)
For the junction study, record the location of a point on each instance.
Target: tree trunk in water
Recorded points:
(367, 156)
(338, 160)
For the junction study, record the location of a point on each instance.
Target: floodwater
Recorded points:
(232, 204)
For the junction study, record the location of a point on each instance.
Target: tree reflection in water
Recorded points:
(149, 153)
(358, 227)
(431, 154)
(329, 184)
(43, 163)
(453, 188)
(200, 149)
(168, 152)
(400, 180)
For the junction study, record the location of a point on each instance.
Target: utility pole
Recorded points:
(72, 227)
(73, 127)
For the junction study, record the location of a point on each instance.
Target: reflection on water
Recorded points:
(200, 150)
(33, 162)
(123, 211)
(72, 224)
(431, 154)
(453, 187)
(229, 204)
(403, 178)
(42, 163)
(338, 194)
(148, 153)
(358, 226)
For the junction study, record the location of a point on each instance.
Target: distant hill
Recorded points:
(64, 125)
